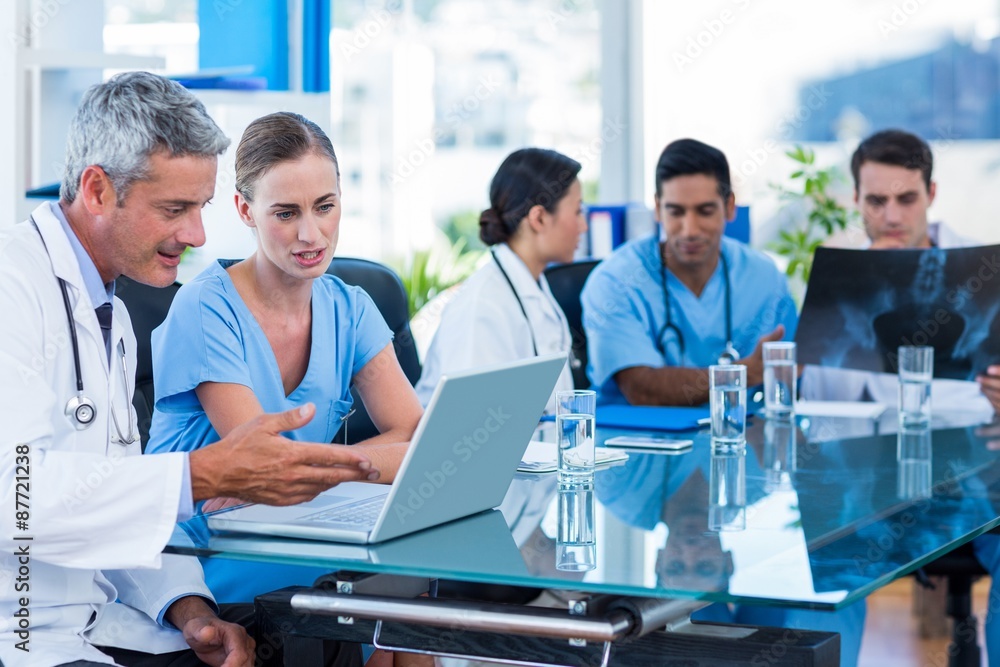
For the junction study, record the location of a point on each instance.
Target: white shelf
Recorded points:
(53, 59)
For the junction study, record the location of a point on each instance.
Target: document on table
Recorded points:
(855, 409)
(542, 457)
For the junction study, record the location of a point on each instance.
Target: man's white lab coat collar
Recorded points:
(64, 263)
(66, 266)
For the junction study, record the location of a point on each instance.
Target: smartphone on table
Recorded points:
(649, 442)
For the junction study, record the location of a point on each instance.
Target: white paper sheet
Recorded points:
(856, 409)
(541, 457)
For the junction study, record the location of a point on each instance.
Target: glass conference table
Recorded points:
(815, 514)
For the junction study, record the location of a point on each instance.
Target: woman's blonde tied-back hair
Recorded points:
(276, 138)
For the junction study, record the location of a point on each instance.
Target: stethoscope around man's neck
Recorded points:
(729, 355)
(82, 411)
(574, 362)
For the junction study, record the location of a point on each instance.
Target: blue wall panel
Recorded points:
(316, 25)
(236, 33)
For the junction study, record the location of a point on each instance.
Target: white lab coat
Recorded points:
(95, 506)
(839, 384)
(483, 325)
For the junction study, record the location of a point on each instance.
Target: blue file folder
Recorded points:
(648, 418)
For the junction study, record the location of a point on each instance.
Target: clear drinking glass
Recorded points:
(575, 412)
(916, 370)
(779, 379)
(728, 404)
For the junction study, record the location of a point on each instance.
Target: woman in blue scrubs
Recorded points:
(274, 331)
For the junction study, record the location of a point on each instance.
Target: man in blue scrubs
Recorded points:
(661, 309)
(723, 298)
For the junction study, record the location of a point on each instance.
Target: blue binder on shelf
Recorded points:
(605, 228)
(739, 228)
(609, 226)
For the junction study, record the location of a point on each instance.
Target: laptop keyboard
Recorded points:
(361, 513)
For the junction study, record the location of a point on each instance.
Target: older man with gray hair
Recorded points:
(84, 517)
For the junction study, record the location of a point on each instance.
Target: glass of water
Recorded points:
(727, 495)
(916, 370)
(575, 412)
(779, 379)
(728, 404)
(576, 540)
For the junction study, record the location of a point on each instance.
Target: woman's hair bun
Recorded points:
(491, 227)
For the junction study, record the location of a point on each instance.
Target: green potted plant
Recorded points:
(810, 191)
(427, 273)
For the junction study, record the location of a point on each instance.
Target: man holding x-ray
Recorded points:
(893, 189)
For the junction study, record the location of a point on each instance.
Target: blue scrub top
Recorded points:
(210, 335)
(624, 310)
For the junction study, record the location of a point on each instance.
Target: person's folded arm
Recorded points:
(642, 385)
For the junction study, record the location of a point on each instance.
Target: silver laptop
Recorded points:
(461, 460)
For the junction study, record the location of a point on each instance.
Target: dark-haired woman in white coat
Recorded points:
(505, 310)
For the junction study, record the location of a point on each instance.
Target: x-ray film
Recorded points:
(861, 305)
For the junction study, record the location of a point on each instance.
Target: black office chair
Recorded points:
(566, 282)
(387, 291)
(147, 307)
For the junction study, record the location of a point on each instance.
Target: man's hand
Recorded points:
(256, 463)
(888, 243)
(216, 504)
(213, 640)
(989, 384)
(755, 362)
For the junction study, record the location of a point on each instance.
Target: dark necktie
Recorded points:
(104, 319)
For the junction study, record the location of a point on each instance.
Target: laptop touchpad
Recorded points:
(323, 500)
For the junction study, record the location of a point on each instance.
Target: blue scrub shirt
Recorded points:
(210, 335)
(624, 310)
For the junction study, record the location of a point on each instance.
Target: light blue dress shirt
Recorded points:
(624, 310)
(100, 292)
(209, 335)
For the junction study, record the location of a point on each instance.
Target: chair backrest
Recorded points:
(147, 308)
(387, 291)
(566, 282)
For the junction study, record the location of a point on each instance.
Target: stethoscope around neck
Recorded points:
(729, 354)
(574, 362)
(82, 411)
